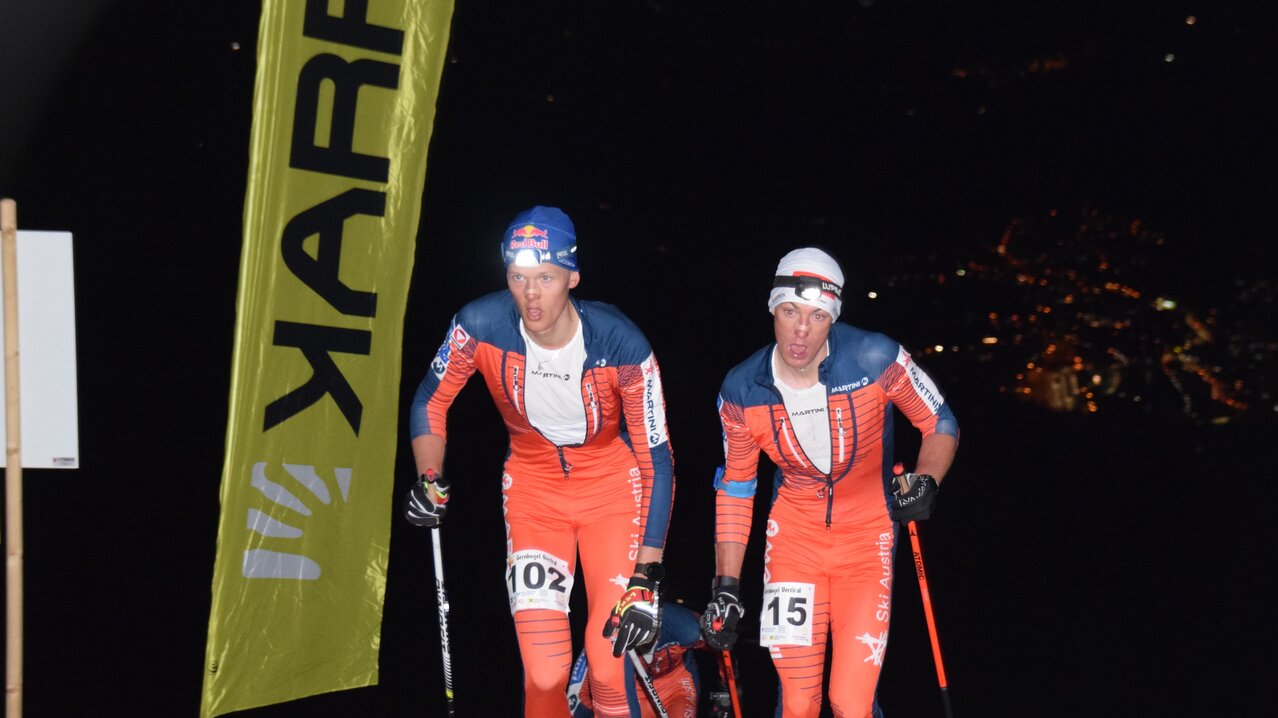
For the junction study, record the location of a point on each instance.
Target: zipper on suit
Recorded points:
(514, 380)
(794, 451)
(829, 499)
(838, 414)
(563, 462)
(594, 406)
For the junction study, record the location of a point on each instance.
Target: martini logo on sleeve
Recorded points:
(920, 381)
(654, 409)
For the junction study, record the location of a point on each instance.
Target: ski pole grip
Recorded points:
(903, 482)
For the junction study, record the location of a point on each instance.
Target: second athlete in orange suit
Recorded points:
(819, 403)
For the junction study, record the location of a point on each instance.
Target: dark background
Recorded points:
(1102, 565)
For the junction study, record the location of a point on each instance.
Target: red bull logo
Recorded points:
(528, 244)
(529, 237)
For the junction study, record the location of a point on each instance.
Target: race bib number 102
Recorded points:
(786, 619)
(536, 579)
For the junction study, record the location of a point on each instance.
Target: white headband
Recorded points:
(810, 262)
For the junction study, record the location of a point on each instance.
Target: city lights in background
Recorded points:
(1069, 323)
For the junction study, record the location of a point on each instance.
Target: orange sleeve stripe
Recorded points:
(733, 518)
(460, 368)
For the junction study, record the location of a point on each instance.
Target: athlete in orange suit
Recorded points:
(566, 375)
(819, 403)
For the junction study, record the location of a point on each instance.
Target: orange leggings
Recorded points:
(597, 515)
(850, 568)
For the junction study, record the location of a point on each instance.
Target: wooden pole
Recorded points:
(13, 462)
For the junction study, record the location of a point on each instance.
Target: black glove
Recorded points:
(418, 507)
(719, 622)
(634, 619)
(914, 503)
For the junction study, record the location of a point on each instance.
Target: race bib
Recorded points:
(786, 619)
(536, 579)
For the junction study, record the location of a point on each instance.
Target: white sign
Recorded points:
(786, 619)
(46, 352)
(537, 579)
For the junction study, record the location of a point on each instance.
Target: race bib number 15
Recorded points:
(787, 614)
(536, 579)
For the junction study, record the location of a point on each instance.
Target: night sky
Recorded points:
(1097, 564)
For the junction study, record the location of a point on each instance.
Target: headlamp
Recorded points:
(534, 257)
(809, 288)
(530, 258)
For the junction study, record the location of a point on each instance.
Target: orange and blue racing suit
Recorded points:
(604, 497)
(830, 542)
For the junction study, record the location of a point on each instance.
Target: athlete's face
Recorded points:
(801, 333)
(541, 293)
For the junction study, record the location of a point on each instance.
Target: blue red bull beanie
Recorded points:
(540, 234)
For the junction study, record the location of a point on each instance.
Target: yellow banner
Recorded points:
(342, 116)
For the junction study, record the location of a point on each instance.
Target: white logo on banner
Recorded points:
(266, 563)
